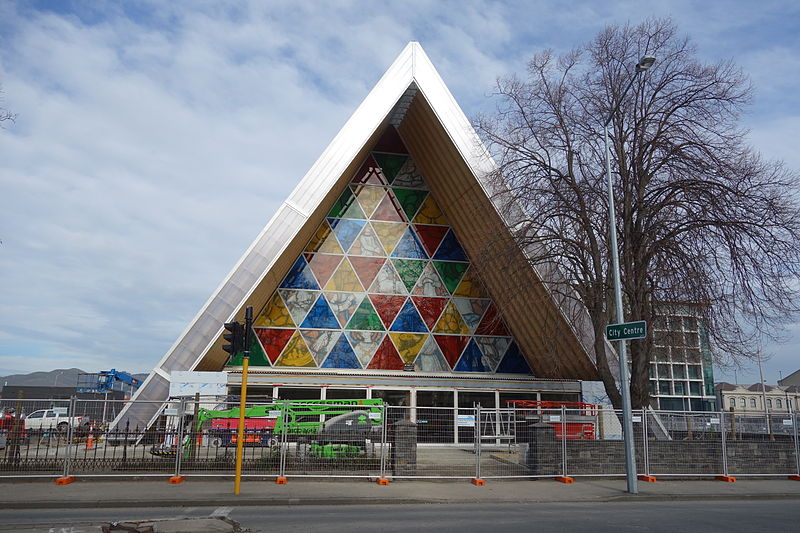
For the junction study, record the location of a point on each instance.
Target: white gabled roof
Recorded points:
(412, 71)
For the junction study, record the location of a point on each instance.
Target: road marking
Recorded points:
(222, 511)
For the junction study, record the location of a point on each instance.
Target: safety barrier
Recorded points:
(366, 439)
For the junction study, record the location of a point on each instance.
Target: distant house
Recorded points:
(750, 398)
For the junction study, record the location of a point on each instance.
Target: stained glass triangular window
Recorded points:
(410, 200)
(365, 317)
(408, 319)
(320, 315)
(273, 341)
(390, 164)
(409, 270)
(342, 356)
(367, 268)
(300, 276)
(513, 362)
(408, 344)
(296, 353)
(386, 357)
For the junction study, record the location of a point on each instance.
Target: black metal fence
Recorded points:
(197, 437)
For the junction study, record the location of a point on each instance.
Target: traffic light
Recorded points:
(234, 334)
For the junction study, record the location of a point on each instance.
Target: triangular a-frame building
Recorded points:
(392, 262)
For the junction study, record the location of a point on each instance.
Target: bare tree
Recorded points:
(703, 220)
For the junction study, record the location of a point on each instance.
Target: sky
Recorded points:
(154, 140)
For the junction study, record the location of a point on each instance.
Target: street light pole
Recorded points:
(627, 420)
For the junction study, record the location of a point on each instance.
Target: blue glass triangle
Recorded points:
(513, 362)
(342, 356)
(320, 316)
(471, 360)
(450, 249)
(408, 320)
(346, 230)
(409, 246)
(300, 276)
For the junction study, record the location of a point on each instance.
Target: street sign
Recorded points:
(629, 330)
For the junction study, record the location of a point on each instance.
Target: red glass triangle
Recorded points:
(323, 266)
(389, 209)
(367, 268)
(451, 346)
(429, 309)
(273, 341)
(387, 306)
(369, 173)
(430, 236)
(492, 324)
(386, 357)
(390, 142)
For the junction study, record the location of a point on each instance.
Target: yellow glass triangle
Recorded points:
(430, 213)
(469, 287)
(389, 233)
(369, 197)
(408, 344)
(296, 353)
(275, 315)
(344, 279)
(324, 241)
(451, 322)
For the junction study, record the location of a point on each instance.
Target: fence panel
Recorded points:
(34, 447)
(421, 442)
(344, 442)
(98, 450)
(593, 444)
(685, 443)
(760, 444)
(209, 438)
(519, 443)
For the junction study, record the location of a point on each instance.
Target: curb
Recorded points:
(251, 502)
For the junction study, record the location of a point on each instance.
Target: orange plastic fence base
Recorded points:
(794, 478)
(726, 479)
(280, 481)
(648, 479)
(65, 480)
(382, 481)
(565, 479)
(478, 482)
(176, 480)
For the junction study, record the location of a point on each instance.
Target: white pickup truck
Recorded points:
(53, 419)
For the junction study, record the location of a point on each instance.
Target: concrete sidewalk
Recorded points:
(108, 493)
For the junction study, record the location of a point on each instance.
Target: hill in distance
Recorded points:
(62, 377)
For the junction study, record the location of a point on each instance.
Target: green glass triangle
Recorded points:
(410, 199)
(346, 206)
(365, 317)
(450, 273)
(390, 164)
(257, 355)
(409, 271)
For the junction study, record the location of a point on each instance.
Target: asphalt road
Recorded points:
(670, 516)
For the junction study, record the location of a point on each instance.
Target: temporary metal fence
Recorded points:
(348, 439)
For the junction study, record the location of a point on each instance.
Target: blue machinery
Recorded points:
(104, 381)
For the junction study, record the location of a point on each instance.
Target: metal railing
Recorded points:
(393, 442)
